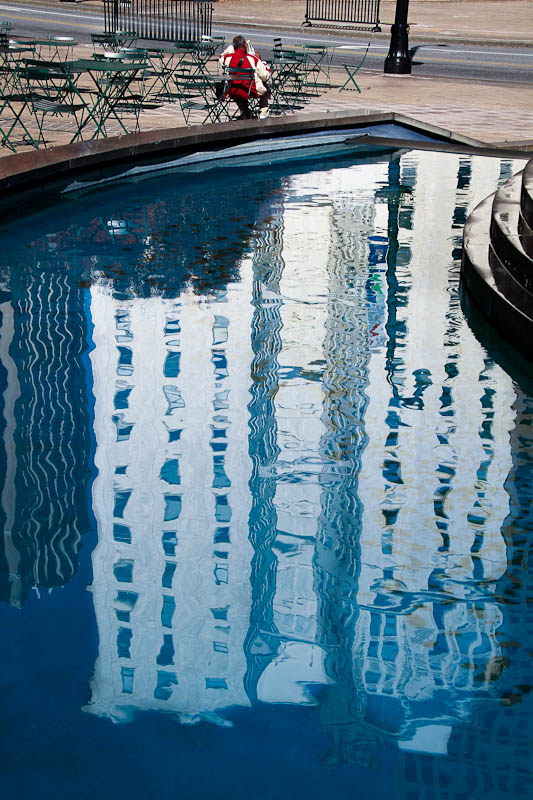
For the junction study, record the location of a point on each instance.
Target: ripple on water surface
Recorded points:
(251, 431)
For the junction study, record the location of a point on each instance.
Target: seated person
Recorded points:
(242, 55)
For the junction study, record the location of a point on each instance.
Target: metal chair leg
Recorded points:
(351, 79)
(352, 69)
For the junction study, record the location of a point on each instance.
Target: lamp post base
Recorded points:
(398, 61)
(397, 66)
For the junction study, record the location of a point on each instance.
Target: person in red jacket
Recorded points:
(242, 54)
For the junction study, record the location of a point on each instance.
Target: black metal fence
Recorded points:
(160, 20)
(348, 12)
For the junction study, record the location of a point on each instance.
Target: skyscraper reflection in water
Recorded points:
(372, 591)
(45, 427)
(312, 482)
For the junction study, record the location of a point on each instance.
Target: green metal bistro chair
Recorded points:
(114, 41)
(301, 80)
(114, 95)
(49, 48)
(156, 81)
(14, 127)
(278, 47)
(352, 69)
(320, 56)
(196, 54)
(52, 91)
(243, 78)
(290, 89)
(318, 66)
(5, 28)
(198, 98)
(14, 100)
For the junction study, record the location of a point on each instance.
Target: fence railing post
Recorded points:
(160, 20)
(343, 12)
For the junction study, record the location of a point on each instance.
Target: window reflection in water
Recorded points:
(309, 474)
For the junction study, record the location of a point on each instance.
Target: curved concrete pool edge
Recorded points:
(497, 260)
(28, 178)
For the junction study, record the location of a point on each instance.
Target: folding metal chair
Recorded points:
(113, 42)
(51, 90)
(198, 53)
(198, 99)
(242, 78)
(14, 128)
(112, 95)
(319, 57)
(290, 87)
(14, 100)
(352, 69)
(5, 27)
(161, 64)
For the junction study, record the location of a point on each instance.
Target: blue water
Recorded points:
(266, 492)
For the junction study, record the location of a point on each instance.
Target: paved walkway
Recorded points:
(488, 112)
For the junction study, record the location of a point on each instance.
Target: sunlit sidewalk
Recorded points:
(486, 112)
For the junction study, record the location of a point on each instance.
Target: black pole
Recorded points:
(398, 61)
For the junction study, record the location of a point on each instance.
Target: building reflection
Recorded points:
(293, 555)
(427, 624)
(172, 567)
(47, 271)
(44, 428)
(263, 415)
(205, 587)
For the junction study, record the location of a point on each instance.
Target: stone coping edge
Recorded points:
(526, 197)
(30, 179)
(26, 179)
(479, 260)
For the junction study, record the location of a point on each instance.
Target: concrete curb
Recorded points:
(478, 270)
(416, 37)
(34, 177)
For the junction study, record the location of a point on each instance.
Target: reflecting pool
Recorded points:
(266, 496)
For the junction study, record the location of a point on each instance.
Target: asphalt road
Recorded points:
(493, 64)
